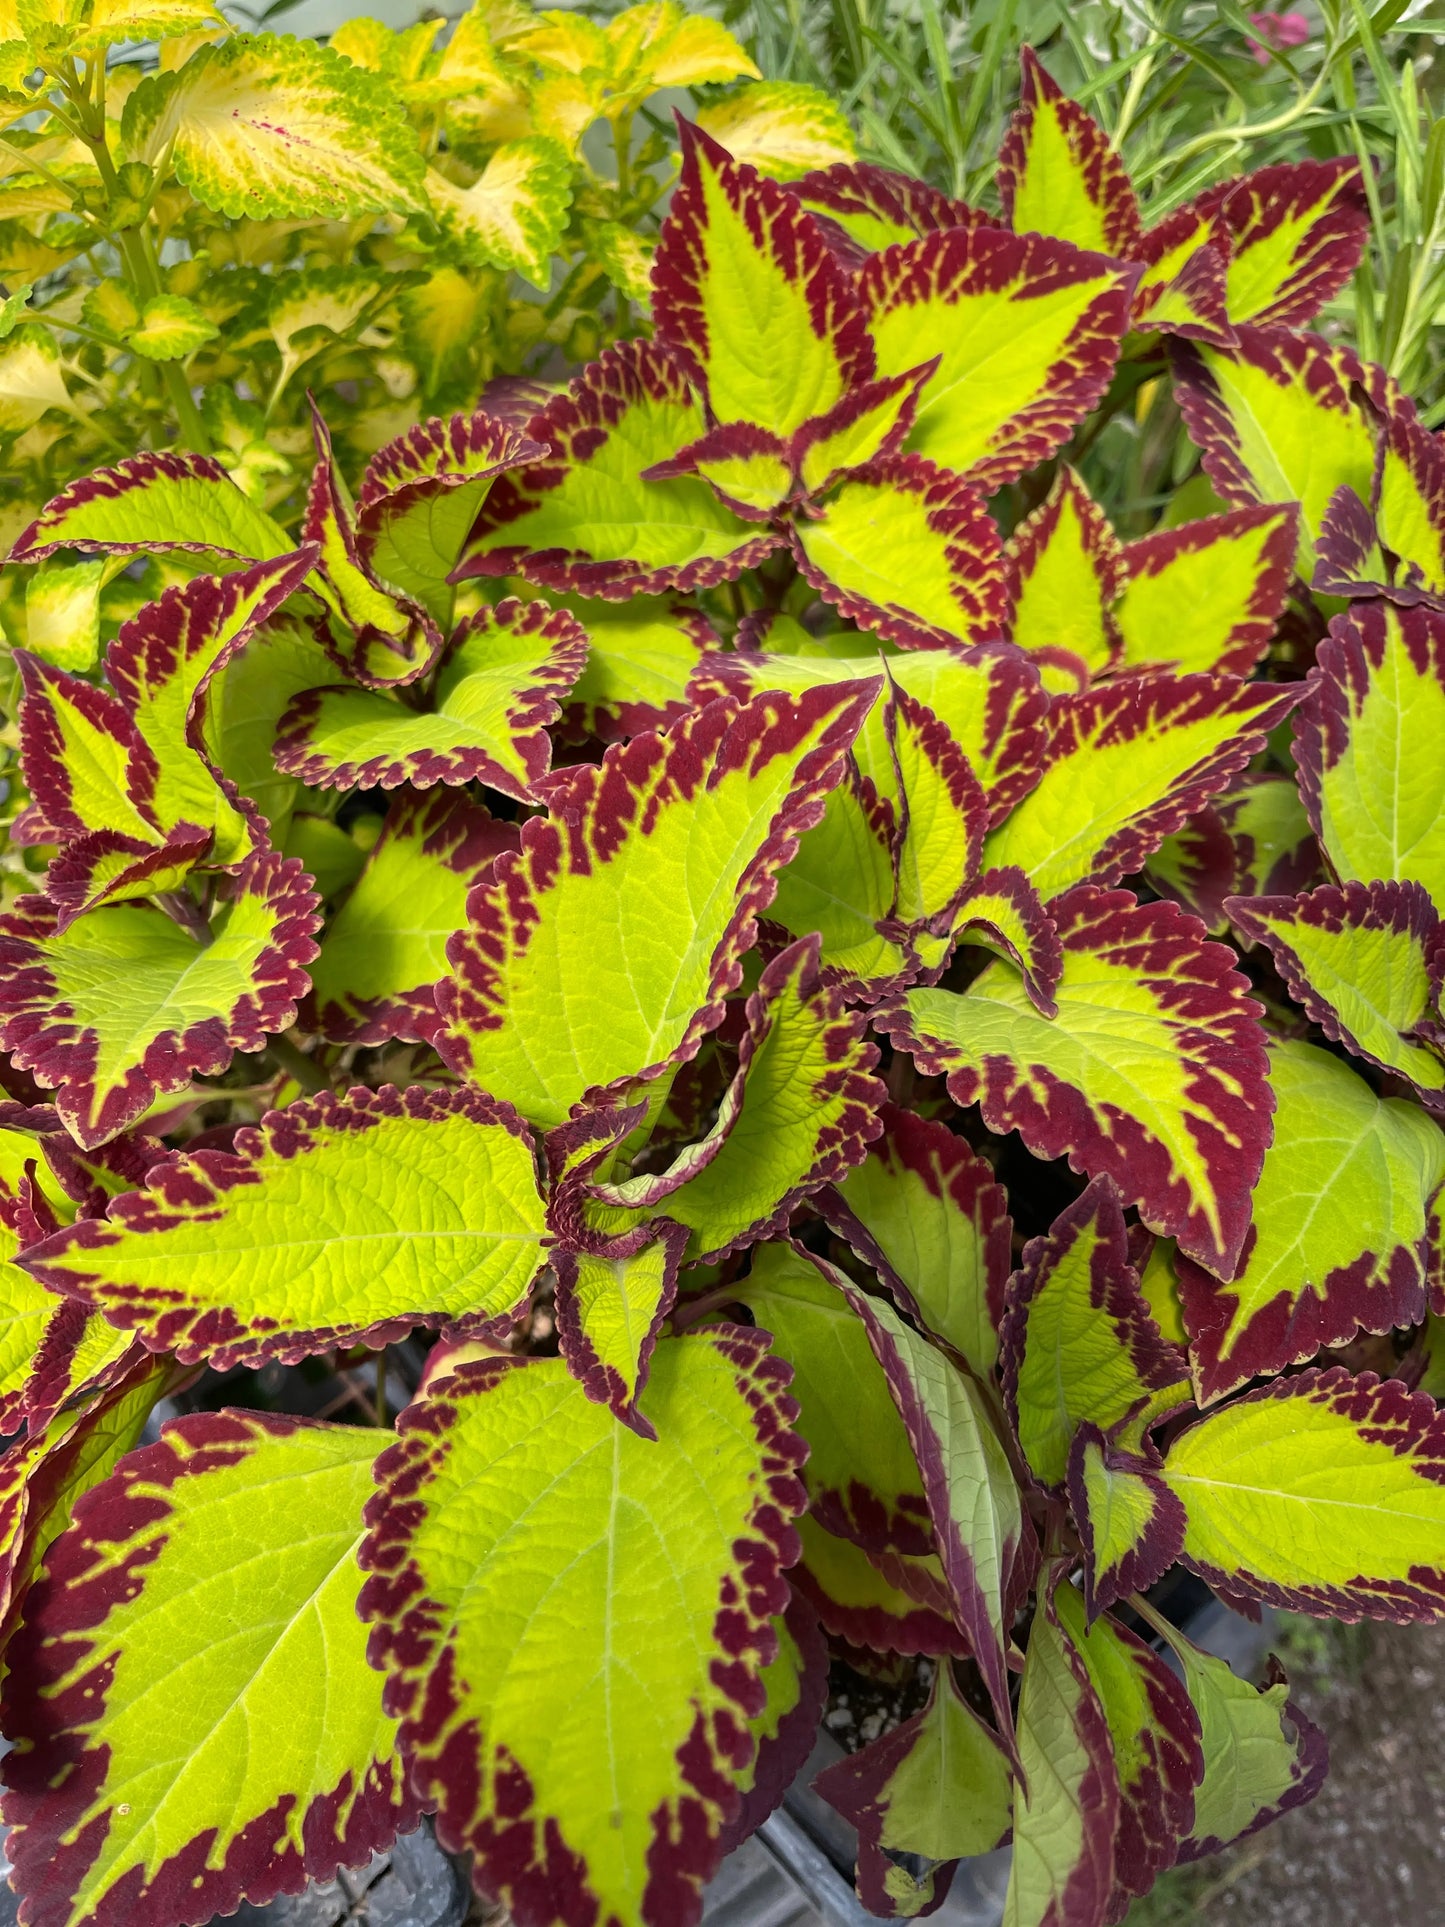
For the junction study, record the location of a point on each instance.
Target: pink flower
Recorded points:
(1278, 30)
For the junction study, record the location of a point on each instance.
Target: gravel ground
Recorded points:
(1371, 1848)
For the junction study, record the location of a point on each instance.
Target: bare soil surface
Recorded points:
(1370, 1851)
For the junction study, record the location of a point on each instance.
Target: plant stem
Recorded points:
(304, 1070)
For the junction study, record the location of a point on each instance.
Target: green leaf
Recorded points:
(1321, 1493)
(336, 1219)
(513, 215)
(62, 611)
(840, 886)
(1341, 1237)
(600, 1710)
(273, 127)
(1066, 572)
(385, 950)
(171, 328)
(856, 1603)
(933, 1790)
(31, 379)
(610, 1308)
(243, 704)
(275, 1709)
(862, 1478)
(1207, 595)
(154, 502)
(925, 1213)
(1066, 1812)
(641, 656)
(1077, 1339)
(1262, 1757)
(1130, 1525)
(600, 953)
(781, 127)
(797, 1114)
(1058, 172)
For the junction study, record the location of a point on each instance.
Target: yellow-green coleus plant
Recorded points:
(194, 233)
(899, 1063)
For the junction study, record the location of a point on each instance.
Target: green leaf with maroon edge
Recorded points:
(748, 298)
(1125, 765)
(1323, 1493)
(1077, 1341)
(125, 1005)
(1296, 233)
(603, 950)
(150, 502)
(1366, 742)
(796, 1684)
(585, 520)
(1262, 1757)
(294, 1769)
(1408, 519)
(1207, 595)
(934, 1789)
(338, 1220)
(800, 1110)
(984, 1537)
(641, 656)
(864, 208)
(82, 759)
(1067, 1810)
(940, 810)
(1154, 1070)
(855, 1603)
(1066, 572)
(1027, 329)
(907, 550)
(1002, 911)
(421, 494)
(862, 1478)
(578, 1795)
(611, 1305)
(1341, 1233)
(1274, 847)
(1155, 1734)
(1059, 174)
(1182, 288)
(841, 886)
(1366, 962)
(239, 709)
(926, 1214)
(500, 685)
(1278, 420)
(385, 950)
(104, 866)
(1130, 1525)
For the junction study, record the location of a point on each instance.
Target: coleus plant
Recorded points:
(898, 1061)
(393, 220)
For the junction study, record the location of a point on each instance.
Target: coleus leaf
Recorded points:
(934, 1789)
(1130, 1525)
(296, 1767)
(675, 1554)
(1124, 765)
(1322, 1493)
(667, 848)
(514, 214)
(611, 1305)
(748, 298)
(984, 1538)
(781, 127)
(926, 1214)
(421, 493)
(335, 1220)
(1373, 787)
(1262, 1757)
(586, 520)
(1027, 329)
(105, 866)
(1296, 233)
(1366, 961)
(271, 126)
(861, 1474)
(940, 811)
(1058, 172)
(1077, 1341)
(1277, 421)
(1004, 912)
(239, 709)
(124, 1004)
(155, 502)
(796, 1684)
(384, 952)
(1154, 1071)
(1183, 285)
(1066, 572)
(857, 1604)
(800, 1110)
(872, 206)
(1207, 595)
(906, 549)
(1274, 847)
(83, 760)
(1196, 867)
(1341, 1232)
(641, 657)
(1154, 1733)
(1066, 1810)
(499, 686)
(841, 886)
